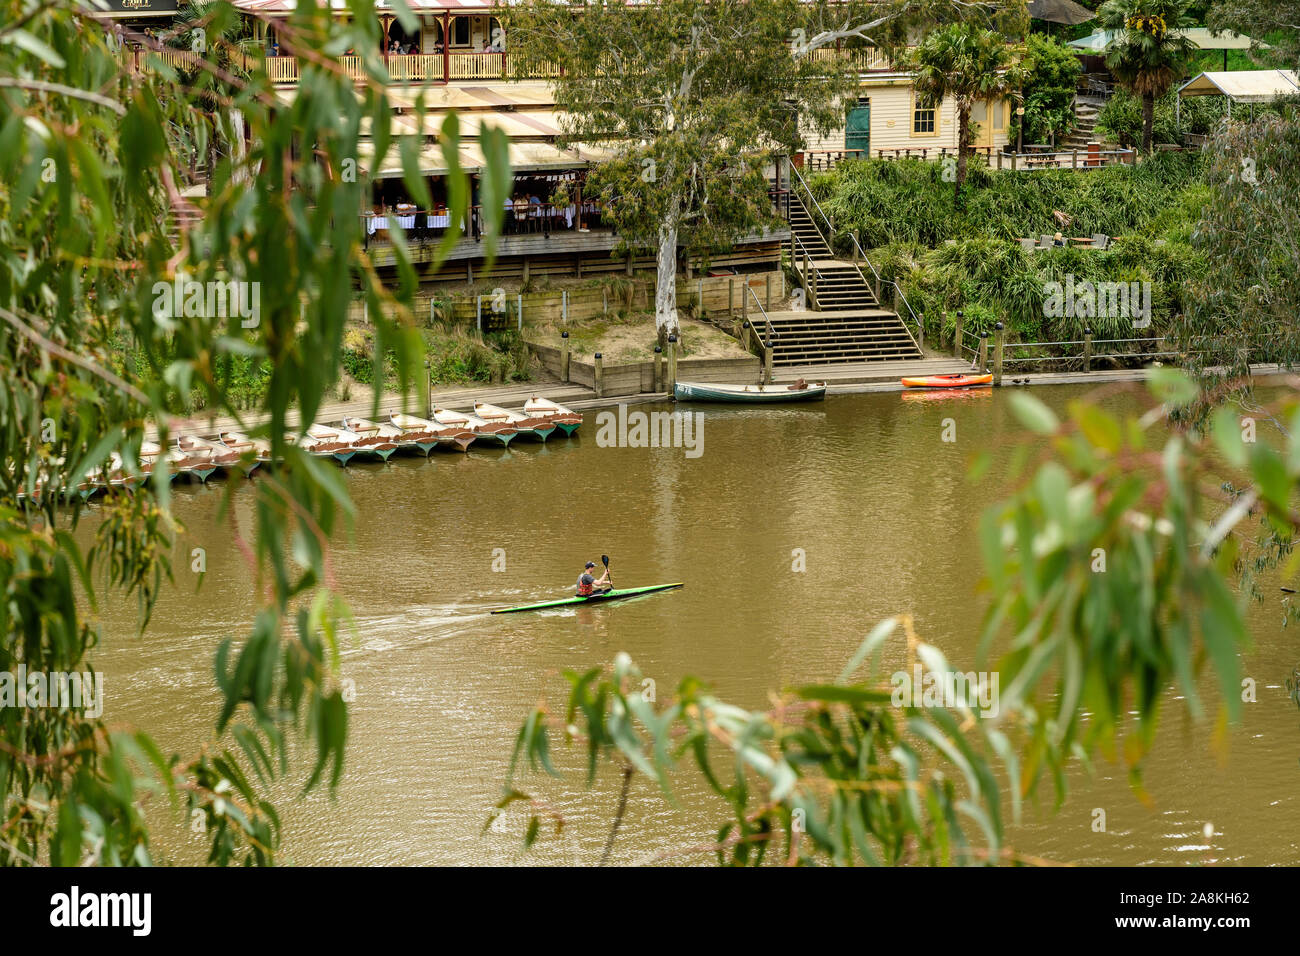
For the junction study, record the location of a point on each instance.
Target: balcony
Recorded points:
(407, 68)
(448, 67)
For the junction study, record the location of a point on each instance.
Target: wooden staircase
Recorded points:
(845, 321)
(849, 335)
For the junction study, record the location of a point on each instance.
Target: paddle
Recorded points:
(604, 559)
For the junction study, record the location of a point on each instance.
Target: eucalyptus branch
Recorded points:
(42, 86)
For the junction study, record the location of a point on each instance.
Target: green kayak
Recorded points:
(594, 599)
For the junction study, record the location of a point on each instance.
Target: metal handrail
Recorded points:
(771, 332)
(811, 262)
(903, 295)
(830, 232)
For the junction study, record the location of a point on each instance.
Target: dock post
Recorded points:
(659, 368)
(564, 357)
(920, 331)
(478, 312)
(519, 310)
(672, 362)
(564, 306)
(744, 336)
(984, 352)
(767, 363)
(767, 292)
(744, 302)
(699, 299)
(999, 348)
(731, 298)
(598, 375)
(629, 264)
(1087, 350)
(957, 334)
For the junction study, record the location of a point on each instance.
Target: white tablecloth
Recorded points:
(439, 222)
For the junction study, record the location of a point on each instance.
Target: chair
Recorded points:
(1027, 245)
(1100, 240)
(1045, 241)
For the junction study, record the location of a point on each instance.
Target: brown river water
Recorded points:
(885, 516)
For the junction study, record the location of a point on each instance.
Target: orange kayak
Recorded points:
(947, 381)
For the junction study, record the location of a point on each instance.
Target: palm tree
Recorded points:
(967, 63)
(1147, 56)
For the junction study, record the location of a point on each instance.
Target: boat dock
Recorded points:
(494, 416)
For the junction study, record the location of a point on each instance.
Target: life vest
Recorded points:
(584, 588)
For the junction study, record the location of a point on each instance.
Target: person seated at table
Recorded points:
(1058, 240)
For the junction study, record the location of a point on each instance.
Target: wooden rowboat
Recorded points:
(799, 391)
(960, 380)
(427, 435)
(198, 456)
(252, 451)
(539, 428)
(376, 438)
(490, 432)
(323, 440)
(566, 418)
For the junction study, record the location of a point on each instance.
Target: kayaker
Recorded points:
(588, 585)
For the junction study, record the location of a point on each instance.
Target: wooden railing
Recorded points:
(407, 68)
(435, 67)
(866, 60)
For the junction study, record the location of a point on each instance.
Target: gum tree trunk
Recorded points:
(666, 275)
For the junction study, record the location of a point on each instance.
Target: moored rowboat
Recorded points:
(799, 391)
(376, 438)
(483, 430)
(960, 380)
(322, 440)
(427, 434)
(538, 427)
(566, 418)
(252, 451)
(594, 599)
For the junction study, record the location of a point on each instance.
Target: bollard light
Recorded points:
(598, 355)
(998, 327)
(658, 350)
(564, 335)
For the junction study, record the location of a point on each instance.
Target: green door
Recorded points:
(857, 128)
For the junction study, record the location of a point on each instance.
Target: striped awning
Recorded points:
(523, 157)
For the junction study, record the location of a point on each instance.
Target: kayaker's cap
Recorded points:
(591, 564)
